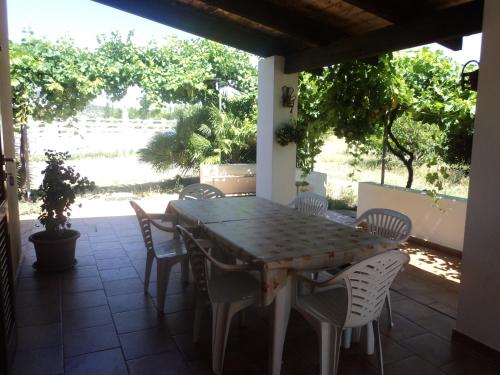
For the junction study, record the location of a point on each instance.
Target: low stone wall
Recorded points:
(443, 224)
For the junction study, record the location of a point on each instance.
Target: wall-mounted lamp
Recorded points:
(287, 97)
(469, 80)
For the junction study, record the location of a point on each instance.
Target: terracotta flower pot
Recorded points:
(54, 254)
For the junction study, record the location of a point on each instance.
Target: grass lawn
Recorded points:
(334, 161)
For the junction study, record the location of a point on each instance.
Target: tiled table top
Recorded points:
(277, 238)
(226, 209)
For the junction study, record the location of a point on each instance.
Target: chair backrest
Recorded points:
(386, 223)
(367, 283)
(311, 204)
(198, 256)
(145, 225)
(200, 191)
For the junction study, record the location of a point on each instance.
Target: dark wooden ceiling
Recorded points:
(315, 33)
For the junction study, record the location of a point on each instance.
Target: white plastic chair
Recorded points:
(386, 223)
(389, 224)
(229, 291)
(167, 253)
(200, 191)
(310, 204)
(352, 299)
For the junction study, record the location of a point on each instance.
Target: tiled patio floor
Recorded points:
(95, 319)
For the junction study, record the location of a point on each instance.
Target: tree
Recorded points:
(185, 71)
(50, 80)
(202, 135)
(364, 103)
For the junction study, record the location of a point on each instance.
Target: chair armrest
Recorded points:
(315, 284)
(162, 217)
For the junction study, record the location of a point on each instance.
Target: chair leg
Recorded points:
(163, 270)
(389, 310)
(347, 338)
(243, 318)
(198, 315)
(356, 334)
(338, 344)
(378, 347)
(330, 342)
(369, 339)
(185, 270)
(147, 273)
(222, 314)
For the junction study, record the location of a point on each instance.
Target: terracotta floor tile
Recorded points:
(123, 286)
(84, 299)
(88, 340)
(170, 363)
(82, 284)
(87, 317)
(411, 366)
(39, 337)
(127, 302)
(39, 362)
(433, 349)
(107, 362)
(147, 342)
(136, 320)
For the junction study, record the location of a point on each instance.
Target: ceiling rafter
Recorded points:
(460, 20)
(281, 18)
(397, 11)
(185, 18)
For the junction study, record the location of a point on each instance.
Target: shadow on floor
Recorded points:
(95, 319)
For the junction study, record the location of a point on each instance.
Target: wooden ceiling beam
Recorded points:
(281, 18)
(397, 11)
(185, 18)
(454, 22)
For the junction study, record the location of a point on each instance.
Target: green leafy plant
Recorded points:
(286, 134)
(58, 191)
(202, 135)
(412, 97)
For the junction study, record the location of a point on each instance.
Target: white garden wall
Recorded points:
(317, 182)
(241, 178)
(230, 178)
(443, 225)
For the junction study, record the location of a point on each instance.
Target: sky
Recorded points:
(83, 20)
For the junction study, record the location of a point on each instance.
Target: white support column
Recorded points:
(479, 305)
(8, 145)
(275, 163)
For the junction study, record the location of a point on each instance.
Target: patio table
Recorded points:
(277, 239)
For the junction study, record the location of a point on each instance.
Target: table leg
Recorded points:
(281, 314)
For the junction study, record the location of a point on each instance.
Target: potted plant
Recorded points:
(55, 246)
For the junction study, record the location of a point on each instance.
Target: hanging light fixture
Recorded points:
(469, 80)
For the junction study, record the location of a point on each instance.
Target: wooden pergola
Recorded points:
(305, 35)
(314, 33)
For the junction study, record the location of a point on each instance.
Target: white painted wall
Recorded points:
(275, 163)
(230, 178)
(318, 182)
(443, 225)
(479, 304)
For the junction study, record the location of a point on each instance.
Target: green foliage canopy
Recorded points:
(415, 96)
(50, 80)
